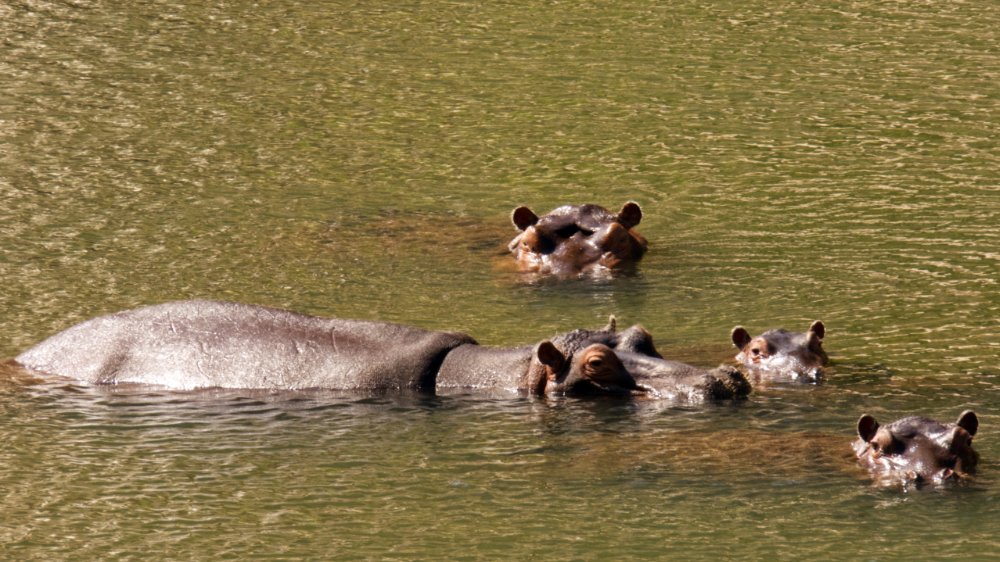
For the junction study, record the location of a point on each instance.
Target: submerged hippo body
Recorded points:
(198, 344)
(633, 350)
(782, 353)
(575, 240)
(917, 450)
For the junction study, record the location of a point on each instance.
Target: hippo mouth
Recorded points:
(943, 477)
(788, 366)
(890, 471)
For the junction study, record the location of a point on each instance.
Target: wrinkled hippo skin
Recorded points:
(197, 344)
(575, 240)
(782, 353)
(917, 450)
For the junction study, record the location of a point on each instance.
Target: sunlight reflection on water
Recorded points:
(827, 161)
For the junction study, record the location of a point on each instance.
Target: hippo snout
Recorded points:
(726, 382)
(671, 379)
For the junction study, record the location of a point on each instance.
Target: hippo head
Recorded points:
(594, 369)
(610, 362)
(575, 240)
(917, 450)
(587, 362)
(783, 353)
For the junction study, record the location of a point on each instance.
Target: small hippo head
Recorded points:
(783, 353)
(917, 450)
(575, 240)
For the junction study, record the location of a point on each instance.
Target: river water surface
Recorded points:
(794, 161)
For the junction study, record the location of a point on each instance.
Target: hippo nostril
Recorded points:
(568, 231)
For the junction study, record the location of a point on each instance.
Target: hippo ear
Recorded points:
(968, 421)
(523, 218)
(637, 340)
(740, 337)
(814, 342)
(631, 214)
(819, 329)
(550, 356)
(612, 325)
(867, 426)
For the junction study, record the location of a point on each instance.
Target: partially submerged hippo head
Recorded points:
(783, 353)
(917, 450)
(595, 369)
(588, 362)
(575, 240)
(628, 362)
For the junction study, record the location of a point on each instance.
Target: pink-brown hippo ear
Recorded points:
(959, 441)
(550, 356)
(814, 342)
(867, 426)
(740, 337)
(612, 325)
(630, 215)
(819, 329)
(523, 218)
(968, 421)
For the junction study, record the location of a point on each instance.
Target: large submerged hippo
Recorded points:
(917, 450)
(782, 353)
(575, 240)
(195, 344)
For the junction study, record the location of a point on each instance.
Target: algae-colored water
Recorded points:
(794, 161)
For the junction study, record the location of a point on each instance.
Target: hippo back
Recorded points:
(195, 344)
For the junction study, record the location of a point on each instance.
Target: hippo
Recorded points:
(200, 344)
(577, 240)
(655, 377)
(783, 353)
(917, 450)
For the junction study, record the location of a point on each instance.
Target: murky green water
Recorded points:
(794, 161)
